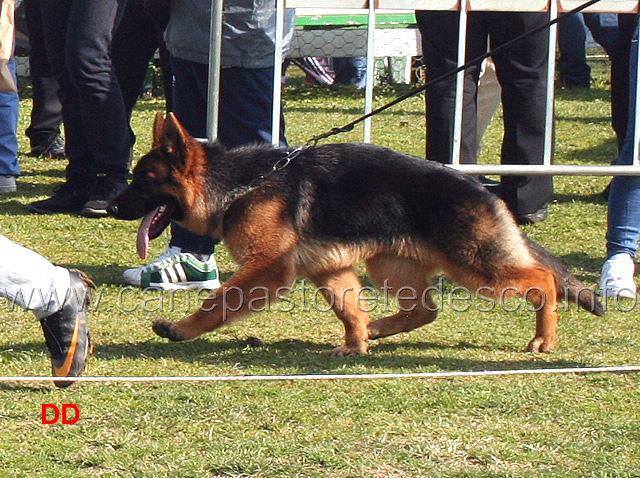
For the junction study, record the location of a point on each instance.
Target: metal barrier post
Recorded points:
(277, 74)
(215, 53)
(550, 99)
(369, 79)
(457, 118)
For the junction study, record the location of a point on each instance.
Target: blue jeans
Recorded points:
(572, 63)
(246, 103)
(9, 128)
(623, 215)
(350, 71)
(78, 36)
(572, 35)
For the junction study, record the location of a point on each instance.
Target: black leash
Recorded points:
(349, 126)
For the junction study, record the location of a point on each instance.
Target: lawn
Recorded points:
(502, 426)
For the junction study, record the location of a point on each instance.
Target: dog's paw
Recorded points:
(165, 329)
(346, 350)
(540, 344)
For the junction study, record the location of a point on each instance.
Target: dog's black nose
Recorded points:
(112, 210)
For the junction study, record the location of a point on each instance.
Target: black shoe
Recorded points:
(67, 199)
(53, 149)
(103, 191)
(66, 332)
(533, 217)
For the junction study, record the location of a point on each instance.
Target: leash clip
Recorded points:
(291, 155)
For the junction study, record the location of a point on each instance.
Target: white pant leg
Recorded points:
(31, 281)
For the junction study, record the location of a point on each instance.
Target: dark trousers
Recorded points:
(46, 113)
(78, 36)
(134, 45)
(246, 103)
(620, 75)
(522, 74)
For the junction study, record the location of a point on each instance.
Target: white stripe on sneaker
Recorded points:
(171, 271)
(182, 275)
(163, 275)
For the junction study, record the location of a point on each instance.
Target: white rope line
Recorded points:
(364, 376)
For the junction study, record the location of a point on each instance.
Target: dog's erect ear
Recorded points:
(158, 127)
(175, 139)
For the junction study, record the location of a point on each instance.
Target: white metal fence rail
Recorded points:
(552, 7)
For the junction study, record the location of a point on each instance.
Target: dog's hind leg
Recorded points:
(342, 290)
(409, 283)
(538, 287)
(535, 284)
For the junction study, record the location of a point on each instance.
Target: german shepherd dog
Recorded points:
(316, 213)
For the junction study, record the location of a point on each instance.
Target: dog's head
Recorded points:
(163, 181)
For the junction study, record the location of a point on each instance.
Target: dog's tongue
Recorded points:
(142, 241)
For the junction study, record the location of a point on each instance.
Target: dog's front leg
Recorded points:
(250, 289)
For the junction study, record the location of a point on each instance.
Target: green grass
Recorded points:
(517, 426)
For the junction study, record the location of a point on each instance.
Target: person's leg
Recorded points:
(190, 107)
(350, 70)
(573, 69)
(522, 72)
(623, 212)
(101, 117)
(604, 29)
(620, 76)
(623, 223)
(246, 104)
(9, 103)
(46, 114)
(245, 117)
(58, 297)
(439, 45)
(246, 99)
(31, 281)
(134, 44)
(78, 37)
(71, 196)
(188, 261)
(80, 170)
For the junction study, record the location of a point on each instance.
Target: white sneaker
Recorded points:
(616, 278)
(175, 269)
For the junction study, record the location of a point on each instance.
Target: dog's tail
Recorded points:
(569, 288)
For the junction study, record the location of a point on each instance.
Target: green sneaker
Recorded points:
(175, 269)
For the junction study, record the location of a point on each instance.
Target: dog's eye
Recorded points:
(149, 181)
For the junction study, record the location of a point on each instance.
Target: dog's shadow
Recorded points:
(291, 356)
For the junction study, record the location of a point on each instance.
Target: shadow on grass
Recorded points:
(582, 94)
(17, 387)
(582, 260)
(101, 274)
(14, 205)
(289, 357)
(595, 198)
